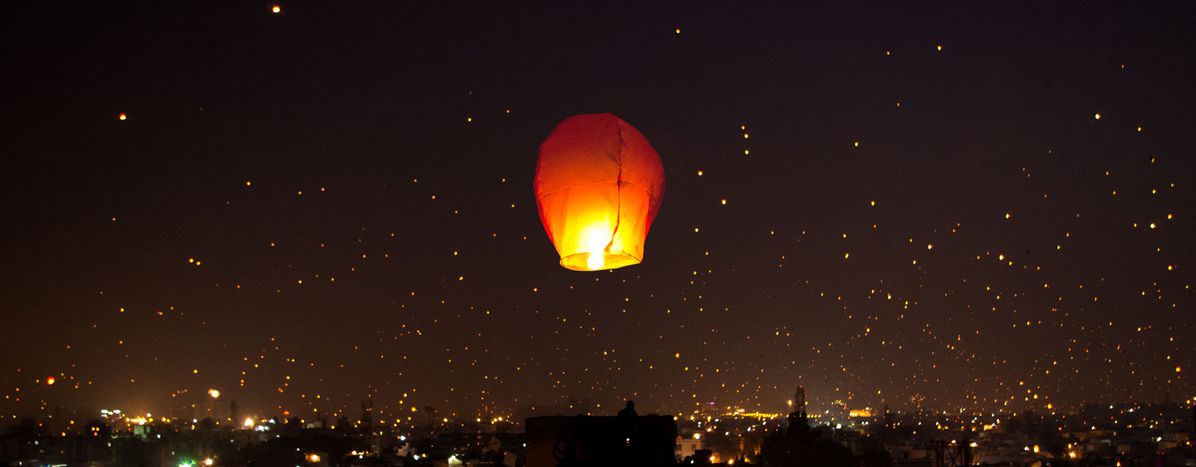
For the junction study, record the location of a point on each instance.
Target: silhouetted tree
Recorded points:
(875, 455)
(798, 446)
(343, 425)
(207, 424)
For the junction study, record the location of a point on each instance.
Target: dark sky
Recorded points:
(986, 208)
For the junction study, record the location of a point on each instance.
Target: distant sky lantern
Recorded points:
(598, 187)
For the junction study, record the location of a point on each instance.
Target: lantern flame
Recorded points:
(594, 241)
(595, 263)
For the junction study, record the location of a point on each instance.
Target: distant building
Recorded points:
(799, 417)
(686, 447)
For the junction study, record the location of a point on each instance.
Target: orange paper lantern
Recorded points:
(598, 187)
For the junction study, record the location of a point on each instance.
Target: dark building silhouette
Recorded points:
(581, 441)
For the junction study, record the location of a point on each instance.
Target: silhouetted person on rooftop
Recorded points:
(628, 411)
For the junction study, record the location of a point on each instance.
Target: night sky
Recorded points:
(907, 205)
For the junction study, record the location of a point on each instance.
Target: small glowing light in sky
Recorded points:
(122, 117)
(699, 173)
(939, 47)
(1096, 115)
(215, 393)
(50, 380)
(1008, 216)
(276, 9)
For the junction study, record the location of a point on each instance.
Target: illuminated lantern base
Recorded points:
(604, 230)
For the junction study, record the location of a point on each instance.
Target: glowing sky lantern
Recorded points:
(598, 187)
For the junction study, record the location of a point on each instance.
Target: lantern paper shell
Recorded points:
(598, 187)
